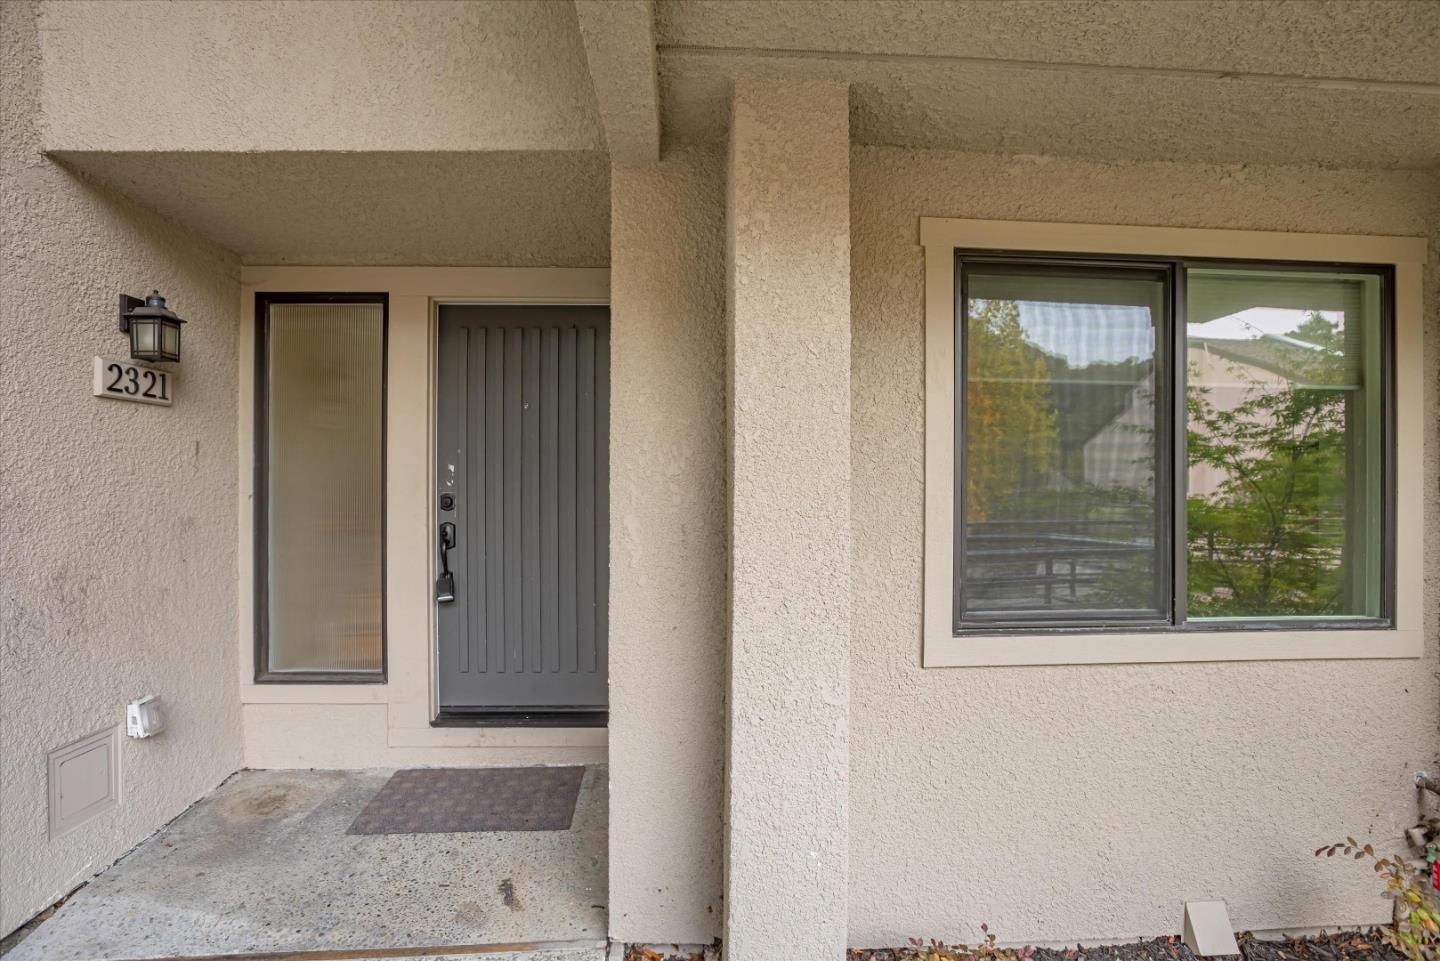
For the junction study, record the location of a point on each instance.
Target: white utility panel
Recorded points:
(84, 780)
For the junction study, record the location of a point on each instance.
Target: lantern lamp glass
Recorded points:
(170, 340)
(145, 338)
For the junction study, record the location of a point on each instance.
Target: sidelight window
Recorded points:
(320, 447)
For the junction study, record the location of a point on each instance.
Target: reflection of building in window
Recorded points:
(1121, 452)
(1230, 371)
(1118, 454)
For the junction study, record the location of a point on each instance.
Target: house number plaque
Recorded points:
(127, 380)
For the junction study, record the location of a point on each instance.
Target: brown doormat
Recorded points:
(461, 800)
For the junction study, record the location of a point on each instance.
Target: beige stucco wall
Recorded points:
(525, 208)
(1090, 801)
(667, 548)
(788, 245)
(321, 75)
(117, 553)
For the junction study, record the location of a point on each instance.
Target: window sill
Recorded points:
(1014, 651)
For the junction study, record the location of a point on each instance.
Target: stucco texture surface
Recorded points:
(1089, 802)
(667, 548)
(390, 207)
(1095, 113)
(1376, 39)
(619, 40)
(319, 75)
(117, 556)
(1281, 82)
(789, 416)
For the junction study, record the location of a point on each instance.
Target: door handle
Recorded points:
(445, 583)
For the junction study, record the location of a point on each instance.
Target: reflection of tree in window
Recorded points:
(1267, 536)
(1010, 417)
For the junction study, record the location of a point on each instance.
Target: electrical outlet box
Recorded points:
(142, 717)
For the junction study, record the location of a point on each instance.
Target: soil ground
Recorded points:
(1343, 946)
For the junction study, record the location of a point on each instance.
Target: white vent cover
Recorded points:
(84, 780)
(1208, 932)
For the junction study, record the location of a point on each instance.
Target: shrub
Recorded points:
(985, 951)
(1416, 928)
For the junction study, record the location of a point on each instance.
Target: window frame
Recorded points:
(261, 530)
(1398, 260)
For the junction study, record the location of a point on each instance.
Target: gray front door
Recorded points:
(522, 470)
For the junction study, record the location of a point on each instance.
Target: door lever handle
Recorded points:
(445, 583)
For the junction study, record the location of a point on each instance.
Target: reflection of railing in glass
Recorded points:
(1066, 564)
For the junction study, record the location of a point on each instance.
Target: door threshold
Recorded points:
(479, 717)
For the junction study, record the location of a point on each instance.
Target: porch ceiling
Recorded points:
(1234, 82)
(517, 208)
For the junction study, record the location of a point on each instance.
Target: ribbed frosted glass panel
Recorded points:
(324, 490)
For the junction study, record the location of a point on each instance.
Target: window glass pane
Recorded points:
(1284, 443)
(1062, 423)
(324, 415)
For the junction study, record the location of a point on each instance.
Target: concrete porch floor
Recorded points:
(263, 864)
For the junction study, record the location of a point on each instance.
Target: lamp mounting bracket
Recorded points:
(127, 304)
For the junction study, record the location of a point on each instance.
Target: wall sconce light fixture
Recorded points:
(154, 330)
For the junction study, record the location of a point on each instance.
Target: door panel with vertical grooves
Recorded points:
(522, 446)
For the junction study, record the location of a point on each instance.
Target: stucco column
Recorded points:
(667, 547)
(789, 403)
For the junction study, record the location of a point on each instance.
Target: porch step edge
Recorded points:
(502, 951)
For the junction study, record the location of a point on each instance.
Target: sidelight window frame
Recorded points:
(953, 245)
(261, 532)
